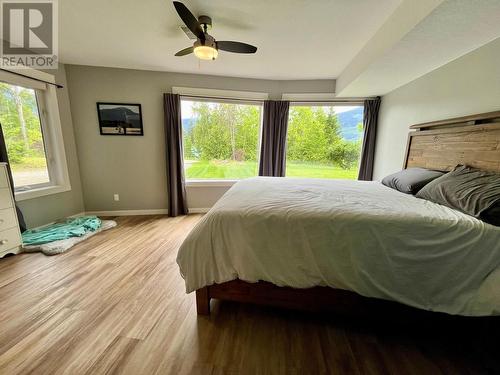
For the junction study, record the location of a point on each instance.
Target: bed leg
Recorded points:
(202, 301)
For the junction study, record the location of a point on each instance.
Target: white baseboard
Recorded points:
(159, 211)
(199, 210)
(78, 214)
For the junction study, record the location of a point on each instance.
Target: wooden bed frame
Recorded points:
(440, 145)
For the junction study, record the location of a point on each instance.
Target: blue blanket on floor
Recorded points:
(74, 227)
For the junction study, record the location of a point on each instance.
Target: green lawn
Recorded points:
(315, 170)
(29, 163)
(238, 170)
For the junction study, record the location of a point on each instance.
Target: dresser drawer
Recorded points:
(4, 182)
(7, 219)
(9, 238)
(5, 198)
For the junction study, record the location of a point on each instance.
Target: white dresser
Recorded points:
(10, 234)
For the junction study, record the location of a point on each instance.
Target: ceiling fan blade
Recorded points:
(189, 19)
(236, 47)
(184, 52)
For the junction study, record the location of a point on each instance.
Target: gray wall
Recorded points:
(134, 167)
(468, 85)
(43, 210)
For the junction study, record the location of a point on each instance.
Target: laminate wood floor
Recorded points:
(115, 304)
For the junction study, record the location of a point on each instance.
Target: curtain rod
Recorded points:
(340, 100)
(35, 79)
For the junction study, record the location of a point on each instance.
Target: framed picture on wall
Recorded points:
(120, 119)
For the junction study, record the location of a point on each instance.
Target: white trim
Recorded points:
(77, 215)
(7, 76)
(223, 94)
(21, 81)
(158, 211)
(311, 99)
(48, 109)
(294, 97)
(53, 138)
(326, 103)
(210, 183)
(33, 73)
(40, 192)
(199, 210)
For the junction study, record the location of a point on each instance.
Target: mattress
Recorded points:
(354, 235)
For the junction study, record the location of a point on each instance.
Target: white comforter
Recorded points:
(359, 236)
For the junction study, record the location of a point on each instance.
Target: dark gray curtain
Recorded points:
(370, 120)
(4, 158)
(273, 144)
(176, 188)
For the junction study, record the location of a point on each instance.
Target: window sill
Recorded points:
(40, 192)
(210, 183)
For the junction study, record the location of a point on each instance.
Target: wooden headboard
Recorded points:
(441, 145)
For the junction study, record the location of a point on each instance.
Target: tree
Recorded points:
(247, 136)
(223, 131)
(308, 136)
(210, 140)
(333, 128)
(314, 135)
(20, 123)
(16, 93)
(345, 154)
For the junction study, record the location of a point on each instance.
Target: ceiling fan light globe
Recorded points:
(206, 52)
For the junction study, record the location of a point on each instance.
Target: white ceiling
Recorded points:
(296, 39)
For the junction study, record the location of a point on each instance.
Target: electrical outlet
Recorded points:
(116, 197)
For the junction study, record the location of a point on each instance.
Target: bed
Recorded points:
(319, 244)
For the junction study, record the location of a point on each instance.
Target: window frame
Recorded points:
(319, 100)
(50, 123)
(222, 96)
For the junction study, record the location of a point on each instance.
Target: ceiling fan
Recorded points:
(206, 47)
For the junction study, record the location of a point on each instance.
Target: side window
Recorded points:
(324, 141)
(22, 128)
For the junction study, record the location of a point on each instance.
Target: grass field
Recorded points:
(239, 170)
(30, 171)
(29, 163)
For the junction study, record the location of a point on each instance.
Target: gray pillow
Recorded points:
(469, 190)
(411, 180)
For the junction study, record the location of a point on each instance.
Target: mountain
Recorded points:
(120, 116)
(349, 121)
